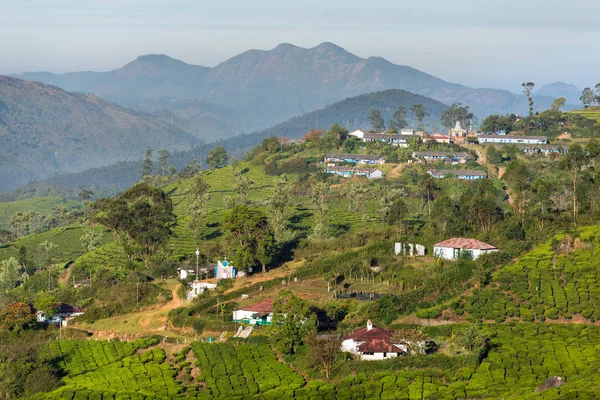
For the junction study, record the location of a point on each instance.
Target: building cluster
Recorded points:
(464, 174)
(373, 343)
(401, 139)
(444, 156)
(62, 315)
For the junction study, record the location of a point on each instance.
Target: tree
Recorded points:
(293, 322)
(558, 104)
(46, 303)
(90, 238)
(163, 158)
(428, 185)
(357, 193)
(47, 245)
(456, 112)
(141, 219)
(385, 203)
(278, 206)
(319, 190)
(400, 117)
(588, 98)
(518, 175)
(324, 353)
(217, 157)
(377, 122)
(16, 316)
(147, 165)
(338, 132)
(420, 114)
(573, 161)
(527, 89)
(198, 197)
(493, 155)
(397, 215)
(85, 193)
(249, 237)
(470, 338)
(9, 274)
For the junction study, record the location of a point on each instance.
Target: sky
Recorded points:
(480, 43)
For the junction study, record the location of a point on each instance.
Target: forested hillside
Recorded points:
(352, 113)
(45, 130)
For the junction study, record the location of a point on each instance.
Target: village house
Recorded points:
(348, 172)
(438, 138)
(545, 149)
(357, 133)
(411, 249)
(256, 314)
(407, 131)
(513, 139)
(459, 174)
(354, 158)
(64, 313)
(452, 249)
(445, 156)
(394, 139)
(372, 343)
(198, 288)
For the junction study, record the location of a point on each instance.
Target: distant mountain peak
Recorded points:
(560, 89)
(331, 47)
(284, 47)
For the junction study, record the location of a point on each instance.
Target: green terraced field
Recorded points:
(592, 114)
(544, 285)
(43, 205)
(67, 241)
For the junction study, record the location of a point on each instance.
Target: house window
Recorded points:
(384, 355)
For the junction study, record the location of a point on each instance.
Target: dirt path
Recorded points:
(397, 171)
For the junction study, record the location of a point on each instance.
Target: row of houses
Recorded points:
(469, 175)
(368, 159)
(512, 139)
(445, 156)
(535, 148)
(348, 172)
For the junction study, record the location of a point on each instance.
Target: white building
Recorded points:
(358, 133)
(198, 288)
(372, 343)
(256, 314)
(452, 249)
(513, 139)
(407, 131)
(348, 172)
(64, 313)
(410, 249)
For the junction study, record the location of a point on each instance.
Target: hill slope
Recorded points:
(351, 113)
(45, 130)
(269, 87)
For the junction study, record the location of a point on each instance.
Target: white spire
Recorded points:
(369, 325)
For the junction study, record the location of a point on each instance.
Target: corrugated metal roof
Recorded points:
(354, 156)
(379, 346)
(464, 243)
(265, 306)
(366, 334)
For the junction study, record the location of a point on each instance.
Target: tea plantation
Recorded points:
(544, 284)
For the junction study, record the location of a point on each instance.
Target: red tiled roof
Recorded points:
(365, 335)
(462, 243)
(379, 346)
(265, 306)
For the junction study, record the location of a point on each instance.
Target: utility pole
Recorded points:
(197, 261)
(137, 294)
(59, 328)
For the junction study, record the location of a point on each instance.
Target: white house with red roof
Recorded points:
(452, 249)
(372, 343)
(260, 313)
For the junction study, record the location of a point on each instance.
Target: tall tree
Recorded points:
(279, 210)
(249, 237)
(400, 117)
(217, 157)
(456, 112)
(9, 274)
(325, 352)
(90, 238)
(293, 322)
(85, 193)
(141, 219)
(519, 177)
(573, 161)
(377, 123)
(420, 114)
(319, 203)
(588, 98)
(527, 89)
(557, 104)
(163, 158)
(198, 197)
(147, 165)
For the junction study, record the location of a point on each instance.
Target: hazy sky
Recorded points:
(493, 43)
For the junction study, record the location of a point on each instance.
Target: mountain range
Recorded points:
(258, 89)
(45, 130)
(571, 93)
